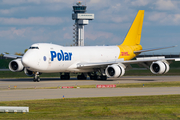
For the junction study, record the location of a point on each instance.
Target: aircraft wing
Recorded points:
(137, 61)
(98, 64)
(11, 56)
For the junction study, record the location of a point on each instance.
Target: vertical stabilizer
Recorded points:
(134, 35)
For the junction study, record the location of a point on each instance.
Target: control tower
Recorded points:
(81, 19)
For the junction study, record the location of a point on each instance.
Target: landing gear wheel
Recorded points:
(93, 77)
(103, 77)
(36, 78)
(81, 77)
(65, 77)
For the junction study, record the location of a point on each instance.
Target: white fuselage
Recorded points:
(49, 58)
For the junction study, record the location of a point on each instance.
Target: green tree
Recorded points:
(6, 52)
(20, 54)
(25, 50)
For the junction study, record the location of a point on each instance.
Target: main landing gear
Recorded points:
(66, 76)
(95, 76)
(36, 77)
(83, 76)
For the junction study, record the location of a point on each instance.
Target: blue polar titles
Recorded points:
(61, 56)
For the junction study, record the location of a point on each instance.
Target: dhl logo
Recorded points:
(125, 54)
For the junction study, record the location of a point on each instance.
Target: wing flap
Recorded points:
(98, 64)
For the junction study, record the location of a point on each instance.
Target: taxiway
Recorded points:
(54, 82)
(33, 94)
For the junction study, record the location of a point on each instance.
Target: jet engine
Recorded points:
(16, 65)
(115, 71)
(159, 67)
(28, 72)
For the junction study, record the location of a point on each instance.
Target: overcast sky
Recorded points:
(24, 22)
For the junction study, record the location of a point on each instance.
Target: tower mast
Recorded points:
(81, 19)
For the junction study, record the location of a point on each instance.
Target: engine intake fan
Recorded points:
(115, 71)
(159, 67)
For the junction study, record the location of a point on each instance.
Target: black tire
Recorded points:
(38, 79)
(81, 77)
(94, 77)
(103, 77)
(91, 77)
(67, 77)
(62, 77)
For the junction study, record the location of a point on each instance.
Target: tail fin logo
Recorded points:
(125, 54)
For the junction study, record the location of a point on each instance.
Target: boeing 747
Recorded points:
(109, 61)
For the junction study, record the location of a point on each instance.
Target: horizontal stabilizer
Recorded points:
(152, 49)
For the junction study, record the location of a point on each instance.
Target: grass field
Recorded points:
(4, 63)
(135, 108)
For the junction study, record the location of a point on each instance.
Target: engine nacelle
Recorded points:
(28, 72)
(159, 67)
(115, 71)
(16, 65)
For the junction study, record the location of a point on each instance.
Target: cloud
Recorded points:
(94, 35)
(13, 2)
(164, 18)
(31, 21)
(50, 20)
(13, 10)
(140, 2)
(165, 5)
(95, 1)
(118, 19)
(17, 2)
(156, 16)
(176, 18)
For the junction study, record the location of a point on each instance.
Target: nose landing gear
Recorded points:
(36, 77)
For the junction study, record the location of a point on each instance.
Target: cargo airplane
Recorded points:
(109, 61)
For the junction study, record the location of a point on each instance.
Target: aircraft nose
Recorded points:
(25, 61)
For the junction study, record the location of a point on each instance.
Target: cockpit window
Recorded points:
(33, 48)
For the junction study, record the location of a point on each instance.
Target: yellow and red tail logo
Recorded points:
(125, 54)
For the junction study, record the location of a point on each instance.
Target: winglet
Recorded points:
(134, 35)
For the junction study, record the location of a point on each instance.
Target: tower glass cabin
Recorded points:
(81, 19)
